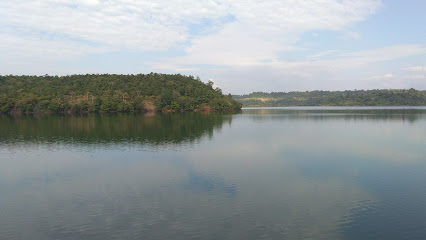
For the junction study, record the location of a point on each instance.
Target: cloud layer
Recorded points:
(148, 25)
(230, 41)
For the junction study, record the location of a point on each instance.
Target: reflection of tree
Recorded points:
(410, 115)
(144, 128)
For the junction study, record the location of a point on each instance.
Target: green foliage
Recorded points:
(137, 104)
(109, 93)
(391, 97)
(124, 107)
(174, 105)
(186, 103)
(5, 104)
(44, 104)
(109, 105)
(97, 103)
(84, 106)
(53, 107)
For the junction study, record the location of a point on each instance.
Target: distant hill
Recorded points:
(110, 93)
(392, 97)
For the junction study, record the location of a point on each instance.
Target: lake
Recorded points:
(267, 173)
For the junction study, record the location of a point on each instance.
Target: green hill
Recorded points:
(391, 97)
(110, 93)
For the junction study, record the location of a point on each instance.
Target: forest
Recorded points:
(383, 97)
(110, 93)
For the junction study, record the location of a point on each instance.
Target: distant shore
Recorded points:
(384, 97)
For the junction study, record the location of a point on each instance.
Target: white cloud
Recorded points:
(342, 71)
(417, 73)
(45, 49)
(323, 54)
(417, 69)
(386, 53)
(259, 31)
(352, 60)
(353, 35)
(313, 66)
(263, 30)
(136, 25)
(381, 77)
(418, 76)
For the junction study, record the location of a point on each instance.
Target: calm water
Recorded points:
(289, 173)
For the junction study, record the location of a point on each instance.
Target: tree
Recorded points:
(104, 92)
(210, 83)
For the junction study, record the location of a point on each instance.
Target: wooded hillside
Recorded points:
(392, 97)
(110, 93)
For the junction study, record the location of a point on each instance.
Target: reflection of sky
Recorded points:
(272, 177)
(342, 159)
(72, 188)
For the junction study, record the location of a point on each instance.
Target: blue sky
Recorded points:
(244, 46)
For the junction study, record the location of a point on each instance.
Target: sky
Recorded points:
(242, 45)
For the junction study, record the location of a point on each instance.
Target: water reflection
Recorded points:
(152, 129)
(271, 174)
(209, 183)
(410, 114)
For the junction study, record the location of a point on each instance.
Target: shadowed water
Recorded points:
(279, 173)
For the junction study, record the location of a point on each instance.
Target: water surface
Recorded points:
(269, 173)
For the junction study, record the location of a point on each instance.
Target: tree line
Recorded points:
(110, 93)
(378, 97)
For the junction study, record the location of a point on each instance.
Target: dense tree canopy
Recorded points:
(392, 97)
(110, 93)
